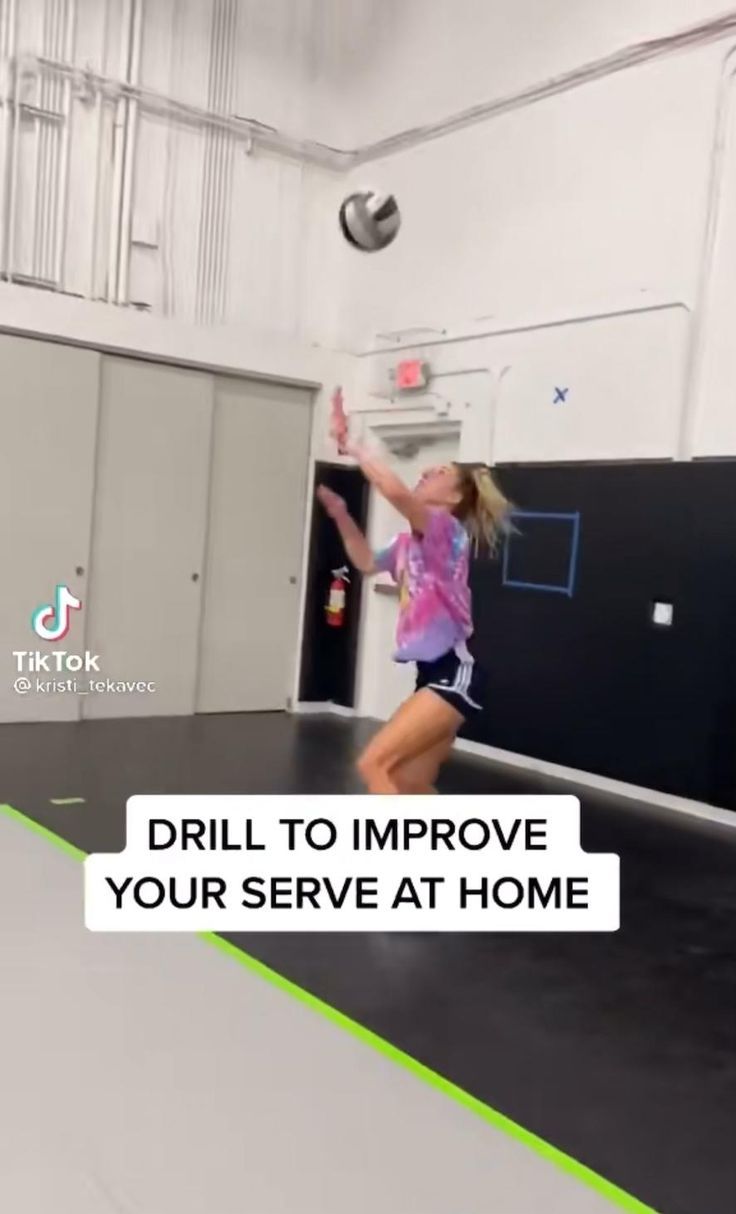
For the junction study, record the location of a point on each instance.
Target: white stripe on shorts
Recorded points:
(462, 678)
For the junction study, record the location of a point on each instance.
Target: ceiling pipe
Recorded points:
(619, 61)
(323, 155)
(218, 154)
(86, 91)
(51, 133)
(119, 127)
(8, 26)
(697, 352)
(223, 244)
(218, 139)
(130, 142)
(48, 132)
(265, 137)
(506, 330)
(62, 200)
(204, 243)
(12, 207)
(96, 201)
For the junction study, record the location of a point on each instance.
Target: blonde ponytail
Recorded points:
(483, 509)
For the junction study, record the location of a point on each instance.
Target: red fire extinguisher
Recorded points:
(335, 608)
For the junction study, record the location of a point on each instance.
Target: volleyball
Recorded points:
(370, 220)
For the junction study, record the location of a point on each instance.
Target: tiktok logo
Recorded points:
(52, 621)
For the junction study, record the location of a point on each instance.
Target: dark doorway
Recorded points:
(329, 654)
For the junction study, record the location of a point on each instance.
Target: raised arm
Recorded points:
(390, 486)
(356, 545)
(383, 479)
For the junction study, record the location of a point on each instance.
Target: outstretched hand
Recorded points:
(332, 502)
(339, 422)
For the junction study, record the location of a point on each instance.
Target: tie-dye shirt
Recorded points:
(431, 571)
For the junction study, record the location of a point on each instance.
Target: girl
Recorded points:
(451, 508)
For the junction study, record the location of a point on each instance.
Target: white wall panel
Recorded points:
(592, 390)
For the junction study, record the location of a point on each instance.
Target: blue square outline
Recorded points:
(569, 588)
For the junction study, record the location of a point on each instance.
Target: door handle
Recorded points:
(195, 577)
(79, 570)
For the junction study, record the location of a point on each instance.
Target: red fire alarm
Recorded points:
(411, 374)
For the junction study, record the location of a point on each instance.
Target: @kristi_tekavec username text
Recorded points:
(60, 661)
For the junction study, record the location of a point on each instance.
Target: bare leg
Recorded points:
(418, 775)
(423, 724)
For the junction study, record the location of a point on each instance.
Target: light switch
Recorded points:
(662, 614)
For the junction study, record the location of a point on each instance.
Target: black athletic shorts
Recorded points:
(456, 678)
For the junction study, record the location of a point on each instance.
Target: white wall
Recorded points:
(432, 58)
(591, 204)
(590, 199)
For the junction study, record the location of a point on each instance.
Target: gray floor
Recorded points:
(153, 1075)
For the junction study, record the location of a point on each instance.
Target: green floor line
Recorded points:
(43, 832)
(499, 1121)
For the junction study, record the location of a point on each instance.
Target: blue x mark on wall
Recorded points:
(560, 396)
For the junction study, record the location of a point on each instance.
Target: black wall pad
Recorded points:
(580, 674)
